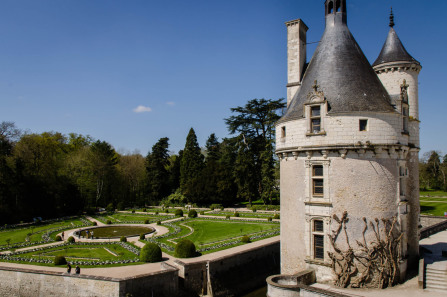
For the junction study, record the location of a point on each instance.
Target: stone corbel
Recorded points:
(361, 152)
(378, 151)
(284, 156)
(343, 153)
(295, 154)
(309, 154)
(324, 153)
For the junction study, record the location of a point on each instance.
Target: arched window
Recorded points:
(337, 6)
(330, 7)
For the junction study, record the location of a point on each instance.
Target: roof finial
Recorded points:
(391, 18)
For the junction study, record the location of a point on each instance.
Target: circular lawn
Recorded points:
(117, 231)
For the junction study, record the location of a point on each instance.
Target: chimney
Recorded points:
(296, 56)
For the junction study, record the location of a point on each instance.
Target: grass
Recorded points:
(85, 253)
(433, 193)
(118, 231)
(207, 231)
(433, 208)
(241, 214)
(19, 235)
(436, 199)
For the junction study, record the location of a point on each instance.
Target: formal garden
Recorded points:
(109, 239)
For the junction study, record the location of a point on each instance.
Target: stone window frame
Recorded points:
(310, 239)
(315, 102)
(283, 132)
(403, 176)
(310, 197)
(363, 125)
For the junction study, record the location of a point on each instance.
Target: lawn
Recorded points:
(18, 235)
(433, 208)
(241, 214)
(433, 193)
(83, 254)
(207, 231)
(118, 218)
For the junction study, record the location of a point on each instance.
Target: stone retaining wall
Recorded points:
(231, 275)
(440, 224)
(427, 221)
(32, 282)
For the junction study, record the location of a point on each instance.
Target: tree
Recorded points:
(191, 168)
(255, 124)
(157, 163)
(102, 162)
(133, 177)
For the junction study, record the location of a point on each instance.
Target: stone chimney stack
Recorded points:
(296, 56)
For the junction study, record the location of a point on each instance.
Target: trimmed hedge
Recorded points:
(142, 236)
(58, 238)
(150, 253)
(71, 239)
(178, 213)
(192, 213)
(60, 260)
(245, 239)
(185, 249)
(276, 216)
(123, 239)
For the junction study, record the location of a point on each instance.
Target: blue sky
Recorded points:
(89, 66)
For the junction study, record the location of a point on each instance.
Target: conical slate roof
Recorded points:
(343, 73)
(393, 51)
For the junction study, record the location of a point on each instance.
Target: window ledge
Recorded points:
(313, 202)
(318, 262)
(405, 133)
(321, 133)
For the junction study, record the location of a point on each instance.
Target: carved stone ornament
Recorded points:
(404, 91)
(315, 95)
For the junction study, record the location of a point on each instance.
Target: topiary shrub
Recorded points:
(192, 213)
(156, 212)
(178, 213)
(222, 208)
(254, 209)
(95, 224)
(236, 214)
(150, 253)
(108, 222)
(123, 239)
(167, 210)
(142, 236)
(158, 222)
(58, 238)
(227, 216)
(185, 249)
(146, 221)
(133, 210)
(60, 260)
(144, 210)
(269, 219)
(110, 207)
(202, 212)
(71, 239)
(212, 208)
(245, 239)
(276, 216)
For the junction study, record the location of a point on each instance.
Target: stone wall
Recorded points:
(438, 224)
(32, 283)
(427, 221)
(233, 274)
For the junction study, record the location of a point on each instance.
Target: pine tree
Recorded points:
(156, 167)
(191, 167)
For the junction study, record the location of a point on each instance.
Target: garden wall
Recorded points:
(427, 221)
(437, 224)
(31, 283)
(232, 274)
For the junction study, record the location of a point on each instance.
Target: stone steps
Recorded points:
(436, 279)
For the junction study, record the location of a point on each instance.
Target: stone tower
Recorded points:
(348, 145)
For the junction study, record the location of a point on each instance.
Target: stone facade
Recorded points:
(361, 160)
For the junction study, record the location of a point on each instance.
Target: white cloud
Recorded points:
(170, 103)
(142, 108)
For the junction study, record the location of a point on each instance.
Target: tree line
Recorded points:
(53, 175)
(432, 171)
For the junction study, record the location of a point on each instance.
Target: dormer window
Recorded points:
(315, 113)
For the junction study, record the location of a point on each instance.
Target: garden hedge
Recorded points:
(150, 253)
(185, 249)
